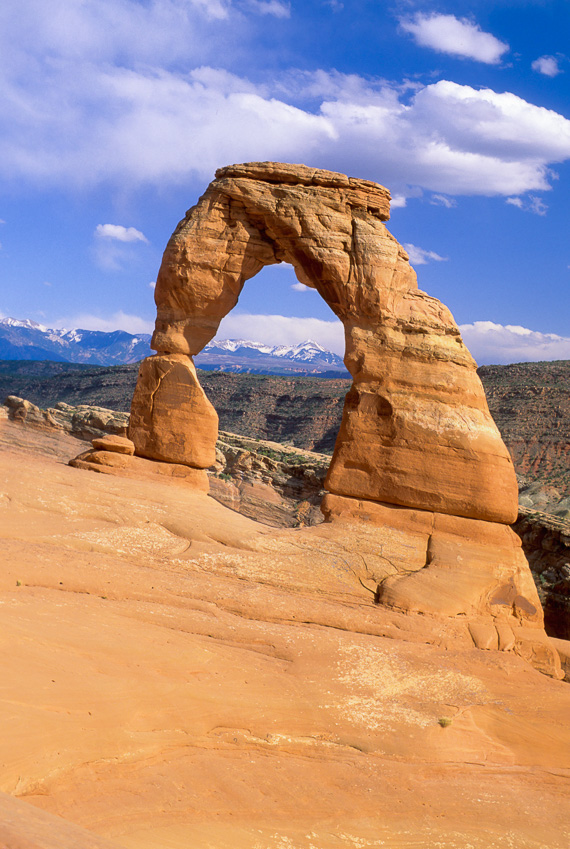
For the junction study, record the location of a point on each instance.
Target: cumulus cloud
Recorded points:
(128, 93)
(119, 233)
(118, 321)
(114, 246)
(282, 330)
(530, 204)
(497, 343)
(547, 65)
(455, 36)
(398, 202)
(419, 256)
(300, 287)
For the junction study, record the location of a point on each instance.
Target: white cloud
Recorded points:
(442, 200)
(152, 284)
(118, 321)
(300, 287)
(398, 202)
(271, 7)
(119, 233)
(282, 330)
(127, 94)
(419, 256)
(531, 204)
(496, 343)
(455, 36)
(114, 246)
(547, 65)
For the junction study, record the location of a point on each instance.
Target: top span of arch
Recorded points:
(370, 194)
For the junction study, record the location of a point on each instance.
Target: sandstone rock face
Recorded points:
(171, 418)
(416, 430)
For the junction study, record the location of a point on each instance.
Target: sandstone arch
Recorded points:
(416, 430)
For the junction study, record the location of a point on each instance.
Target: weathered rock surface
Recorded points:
(118, 444)
(283, 486)
(83, 421)
(278, 485)
(416, 430)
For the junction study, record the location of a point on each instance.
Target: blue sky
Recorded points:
(116, 114)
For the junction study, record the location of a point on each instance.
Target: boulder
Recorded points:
(117, 444)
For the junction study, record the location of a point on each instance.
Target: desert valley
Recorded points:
(327, 653)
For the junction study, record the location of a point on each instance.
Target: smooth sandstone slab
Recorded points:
(125, 465)
(177, 675)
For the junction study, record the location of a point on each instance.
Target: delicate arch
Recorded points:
(416, 430)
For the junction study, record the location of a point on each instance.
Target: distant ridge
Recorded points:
(24, 339)
(242, 356)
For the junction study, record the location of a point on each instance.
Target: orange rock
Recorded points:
(112, 463)
(118, 444)
(416, 429)
(171, 418)
(455, 567)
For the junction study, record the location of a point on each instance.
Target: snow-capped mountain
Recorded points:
(23, 339)
(243, 356)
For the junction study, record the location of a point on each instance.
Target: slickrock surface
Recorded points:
(175, 674)
(416, 430)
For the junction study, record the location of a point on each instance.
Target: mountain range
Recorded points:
(27, 340)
